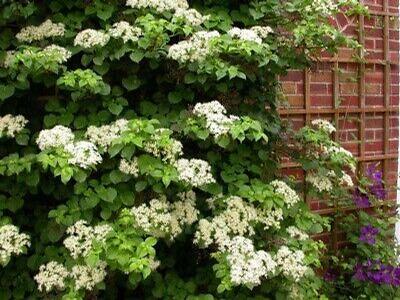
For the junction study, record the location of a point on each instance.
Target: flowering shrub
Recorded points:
(138, 157)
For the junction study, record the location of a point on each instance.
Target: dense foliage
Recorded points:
(141, 148)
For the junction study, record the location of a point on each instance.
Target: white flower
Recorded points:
(324, 125)
(273, 218)
(164, 219)
(129, 167)
(11, 125)
(324, 7)
(12, 242)
(81, 236)
(245, 35)
(103, 136)
(86, 277)
(159, 5)
(296, 233)
(321, 183)
(162, 145)
(125, 31)
(238, 218)
(248, 266)
(191, 16)
(90, 38)
(84, 154)
(291, 263)
(9, 59)
(333, 150)
(60, 54)
(51, 276)
(195, 172)
(262, 31)
(286, 192)
(58, 136)
(346, 180)
(217, 122)
(47, 29)
(195, 49)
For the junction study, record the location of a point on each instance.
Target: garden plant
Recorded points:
(141, 150)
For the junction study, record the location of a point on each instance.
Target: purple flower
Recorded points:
(376, 188)
(360, 199)
(368, 234)
(377, 273)
(396, 276)
(359, 272)
(331, 275)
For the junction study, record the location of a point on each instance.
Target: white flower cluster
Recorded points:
(11, 125)
(163, 146)
(125, 31)
(8, 59)
(262, 31)
(245, 35)
(164, 219)
(346, 180)
(159, 5)
(238, 218)
(103, 136)
(60, 54)
(332, 150)
(291, 263)
(52, 276)
(37, 33)
(335, 150)
(12, 242)
(217, 122)
(323, 7)
(81, 236)
(273, 218)
(248, 266)
(57, 137)
(296, 233)
(191, 16)
(321, 183)
(90, 38)
(325, 183)
(52, 53)
(130, 167)
(84, 154)
(195, 49)
(195, 172)
(86, 277)
(324, 125)
(286, 192)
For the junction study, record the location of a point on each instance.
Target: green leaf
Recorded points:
(22, 139)
(6, 91)
(140, 186)
(66, 174)
(131, 83)
(174, 97)
(106, 194)
(136, 56)
(14, 203)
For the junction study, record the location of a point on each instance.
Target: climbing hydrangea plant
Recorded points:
(140, 151)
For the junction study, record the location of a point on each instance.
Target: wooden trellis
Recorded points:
(375, 109)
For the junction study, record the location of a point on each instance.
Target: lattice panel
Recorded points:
(360, 96)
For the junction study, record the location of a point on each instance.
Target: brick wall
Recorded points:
(361, 98)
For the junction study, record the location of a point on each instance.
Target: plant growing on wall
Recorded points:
(140, 149)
